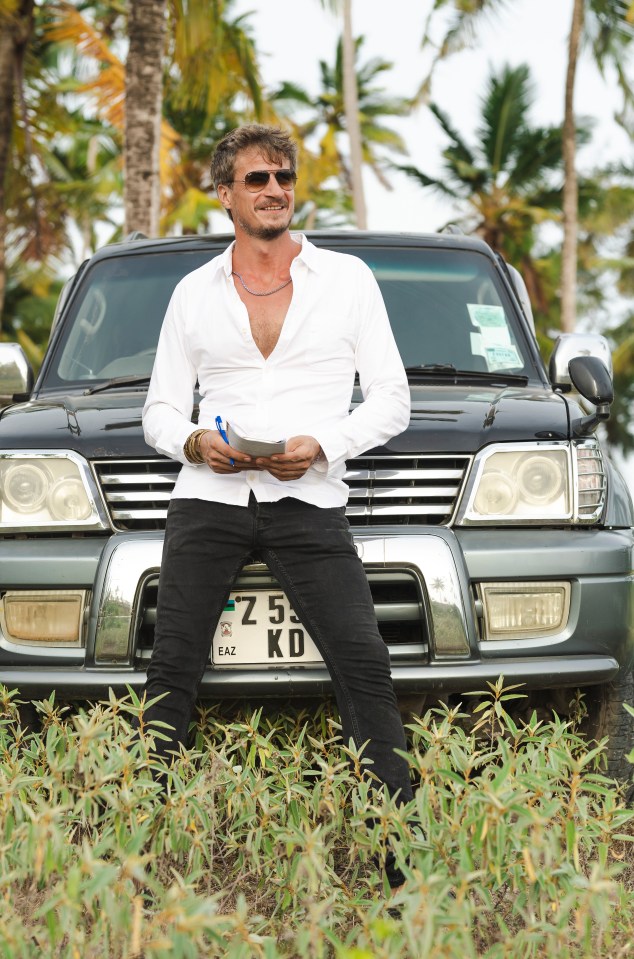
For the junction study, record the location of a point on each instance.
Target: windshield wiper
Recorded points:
(117, 381)
(449, 370)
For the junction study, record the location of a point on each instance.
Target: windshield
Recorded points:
(446, 307)
(114, 324)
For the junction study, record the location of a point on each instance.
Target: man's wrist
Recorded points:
(191, 447)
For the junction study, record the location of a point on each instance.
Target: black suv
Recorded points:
(495, 532)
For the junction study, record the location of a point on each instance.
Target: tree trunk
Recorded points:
(351, 106)
(571, 192)
(14, 35)
(143, 108)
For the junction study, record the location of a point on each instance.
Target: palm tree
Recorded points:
(35, 211)
(211, 64)
(201, 103)
(608, 26)
(571, 189)
(506, 183)
(351, 107)
(351, 103)
(16, 25)
(143, 110)
(60, 179)
(328, 117)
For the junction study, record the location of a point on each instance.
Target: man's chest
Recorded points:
(225, 333)
(266, 318)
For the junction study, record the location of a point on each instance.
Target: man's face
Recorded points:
(264, 215)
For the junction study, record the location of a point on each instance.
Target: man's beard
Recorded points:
(262, 232)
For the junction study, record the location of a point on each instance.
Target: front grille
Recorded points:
(404, 489)
(398, 604)
(137, 492)
(389, 490)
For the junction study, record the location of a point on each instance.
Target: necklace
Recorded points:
(268, 292)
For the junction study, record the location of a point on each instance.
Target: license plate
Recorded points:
(259, 627)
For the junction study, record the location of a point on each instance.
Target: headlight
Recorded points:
(533, 483)
(24, 487)
(521, 484)
(40, 490)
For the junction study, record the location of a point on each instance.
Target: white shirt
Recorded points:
(336, 324)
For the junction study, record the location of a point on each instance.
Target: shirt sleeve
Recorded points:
(385, 411)
(167, 414)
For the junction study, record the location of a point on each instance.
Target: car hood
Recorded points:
(463, 419)
(98, 426)
(444, 419)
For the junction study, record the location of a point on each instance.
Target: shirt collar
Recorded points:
(309, 255)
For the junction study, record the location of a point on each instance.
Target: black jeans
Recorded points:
(311, 552)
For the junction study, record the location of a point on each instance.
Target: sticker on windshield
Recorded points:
(486, 316)
(502, 357)
(491, 326)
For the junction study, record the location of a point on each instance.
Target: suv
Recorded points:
(495, 532)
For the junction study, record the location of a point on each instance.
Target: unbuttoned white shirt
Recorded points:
(336, 324)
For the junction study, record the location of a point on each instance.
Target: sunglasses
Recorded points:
(258, 179)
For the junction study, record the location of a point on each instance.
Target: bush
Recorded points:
(259, 841)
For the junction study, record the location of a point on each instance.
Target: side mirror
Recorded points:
(570, 345)
(591, 379)
(16, 375)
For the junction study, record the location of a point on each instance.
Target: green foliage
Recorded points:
(29, 308)
(324, 117)
(258, 841)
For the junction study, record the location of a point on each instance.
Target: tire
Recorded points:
(607, 716)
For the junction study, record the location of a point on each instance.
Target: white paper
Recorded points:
(502, 357)
(491, 322)
(252, 446)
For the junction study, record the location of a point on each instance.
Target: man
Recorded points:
(273, 330)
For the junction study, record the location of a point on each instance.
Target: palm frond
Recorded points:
(505, 108)
(459, 144)
(415, 174)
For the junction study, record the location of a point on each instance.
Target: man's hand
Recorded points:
(301, 452)
(218, 455)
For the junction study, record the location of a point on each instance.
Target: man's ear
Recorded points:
(224, 195)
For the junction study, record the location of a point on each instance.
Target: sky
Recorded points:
(293, 35)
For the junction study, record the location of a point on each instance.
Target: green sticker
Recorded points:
(482, 315)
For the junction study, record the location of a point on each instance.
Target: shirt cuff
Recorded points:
(334, 452)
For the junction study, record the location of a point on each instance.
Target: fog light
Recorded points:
(46, 618)
(524, 610)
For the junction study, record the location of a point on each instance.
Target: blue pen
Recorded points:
(223, 434)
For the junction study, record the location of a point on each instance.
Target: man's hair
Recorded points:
(275, 144)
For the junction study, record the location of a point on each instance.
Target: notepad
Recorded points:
(252, 446)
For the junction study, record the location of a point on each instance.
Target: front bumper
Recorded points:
(597, 641)
(270, 683)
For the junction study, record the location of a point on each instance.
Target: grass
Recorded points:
(259, 840)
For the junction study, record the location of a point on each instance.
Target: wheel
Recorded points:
(607, 716)
(410, 706)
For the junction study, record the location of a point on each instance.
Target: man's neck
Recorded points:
(254, 255)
